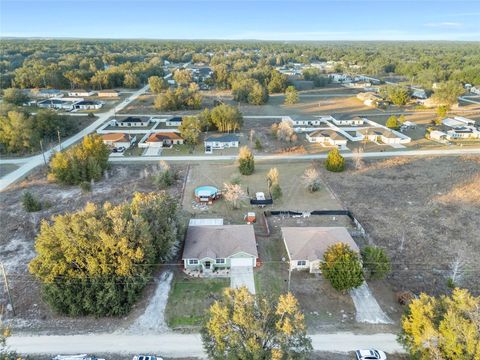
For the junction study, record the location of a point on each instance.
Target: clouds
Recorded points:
(445, 25)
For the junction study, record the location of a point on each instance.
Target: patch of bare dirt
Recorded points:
(19, 229)
(424, 212)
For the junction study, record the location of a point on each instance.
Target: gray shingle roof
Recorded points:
(219, 241)
(223, 138)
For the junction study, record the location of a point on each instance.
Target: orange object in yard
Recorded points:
(251, 218)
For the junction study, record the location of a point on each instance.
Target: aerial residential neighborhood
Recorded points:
(240, 180)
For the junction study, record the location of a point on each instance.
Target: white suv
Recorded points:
(370, 355)
(146, 357)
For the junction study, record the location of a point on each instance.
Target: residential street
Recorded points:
(374, 154)
(34, 161)
(180, 345)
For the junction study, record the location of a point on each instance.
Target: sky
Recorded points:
(248, 19)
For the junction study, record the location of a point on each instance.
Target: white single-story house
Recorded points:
(82, 93)
(312, 122)
(132, 121)
(457, 122)
(466, 132)
(88, 105)
(211, 247)
(307, 245)
(59, 104)
(108, 93)
(327, 137)
(384, 135)
(437, 135)
(48, 93)
(221, 141)
(174, 121)
(346, 120)
(162, 139)
(370, 98)
(118, 140)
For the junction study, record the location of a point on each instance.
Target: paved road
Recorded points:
(37, 160)
(180, 345)
(376, 154)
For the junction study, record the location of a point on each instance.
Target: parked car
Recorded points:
(76, 357)
(370, 355)
(147, 357)
(119, 149)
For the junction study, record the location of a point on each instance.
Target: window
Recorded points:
(220, 261)
(301, 263)
(192, 262)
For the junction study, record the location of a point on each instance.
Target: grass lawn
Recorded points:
(134, 151)
(190, 297)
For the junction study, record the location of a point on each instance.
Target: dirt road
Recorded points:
(180, 345)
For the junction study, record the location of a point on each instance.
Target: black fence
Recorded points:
(261, 202)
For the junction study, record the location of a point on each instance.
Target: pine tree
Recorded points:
(246, 161)
(335, 162)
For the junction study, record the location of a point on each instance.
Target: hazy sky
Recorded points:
(247, 19)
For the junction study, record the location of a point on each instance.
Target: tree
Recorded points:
(278, 82)
(242, 326)
(16, 132)
(131, 81)
(273, 183)
(392, 122)
(98, 259)
(246, 161)
(83, 162)
(443, 328)
(285, 132)
(311, 179)
(258, 95)
(441, 114)
(226, 118)
(233, 193)
(335, 162)
(291, 95)
(250, 91)
(398, 95)
(15, 96)
(341, 266)
(182, 77)
(313, 74)
(376, 263)
(30, 203)
(157, 84)
(190, 129)
(447, 93)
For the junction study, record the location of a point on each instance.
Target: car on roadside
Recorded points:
(370, 355)
(119, 149)
(147, 357)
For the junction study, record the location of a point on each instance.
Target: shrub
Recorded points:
(246, 161)
(165, 179)
(30, 202)
(335, 162)
(84, 162)
(376, 263)
(276, 191)
(258, 145)
(311, 179)
(97, 260)
(86, 186)
(341, 266)
(392, 122)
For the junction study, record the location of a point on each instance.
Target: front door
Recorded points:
(207, 265)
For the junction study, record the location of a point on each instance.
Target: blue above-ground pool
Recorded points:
(206, 191)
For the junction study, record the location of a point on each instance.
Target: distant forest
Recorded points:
(100, 64)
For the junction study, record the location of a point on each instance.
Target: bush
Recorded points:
(97, 260)
(86, 186)
(335, 162)
(258, 145)
(246, 161)
(276, 191)
(165, 179)
(82, 163)
(376, 263)
(341, 266)
(30, 203)
(392, 122)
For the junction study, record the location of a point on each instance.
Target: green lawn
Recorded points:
(190, 297)
(134, 151)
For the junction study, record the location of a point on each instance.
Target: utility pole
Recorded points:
(7, 288)
(43, 154)
(59, 140)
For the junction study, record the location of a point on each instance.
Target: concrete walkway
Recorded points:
(366, 306)
(242, 276)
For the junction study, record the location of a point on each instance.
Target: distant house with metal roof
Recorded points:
(327, 137)
(88, 105)
(346, 119)
(221, 141)
(82, 93)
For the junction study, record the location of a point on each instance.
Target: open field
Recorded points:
(18, 234)
(424, 212)
(189, 298)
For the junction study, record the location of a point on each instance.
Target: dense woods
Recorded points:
(112, 63)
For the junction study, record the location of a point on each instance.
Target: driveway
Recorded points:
(152, 151)
(242, 276)
(368, 310)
